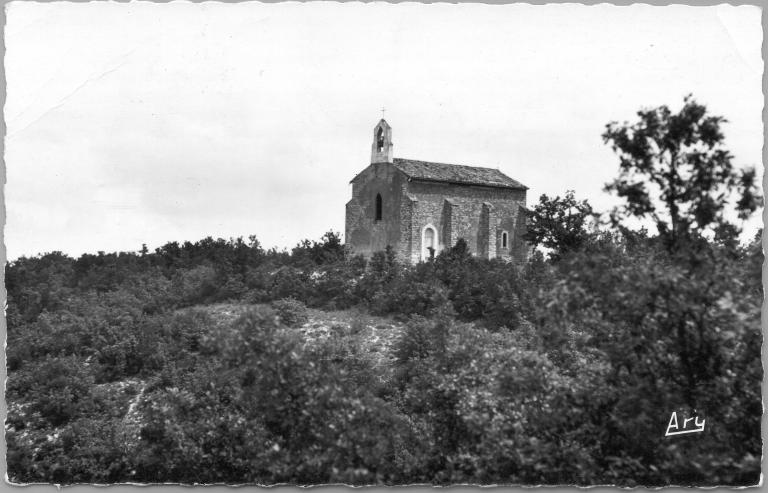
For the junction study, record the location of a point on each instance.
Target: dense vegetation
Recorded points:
(562, 370)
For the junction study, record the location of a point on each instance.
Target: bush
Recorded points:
(195, 285)
(290, 282)
(335, 284)
(292, 312)
(59, 389)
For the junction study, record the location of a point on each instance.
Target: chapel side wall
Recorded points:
(363, 233)
(466, 214)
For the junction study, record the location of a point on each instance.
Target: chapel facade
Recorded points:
(420, 208)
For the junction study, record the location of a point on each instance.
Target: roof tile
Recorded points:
(456, 173)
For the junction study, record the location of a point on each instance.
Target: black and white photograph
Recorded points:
(383, 244)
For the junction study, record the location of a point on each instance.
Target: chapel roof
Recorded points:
(456, 173)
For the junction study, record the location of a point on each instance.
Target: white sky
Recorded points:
(146, 123)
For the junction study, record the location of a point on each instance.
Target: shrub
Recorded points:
(195, 285)
(410, 296)
(57, 388)
(335, 284)
(119, 360)
(290, 282)
(292, 312)
(233, 288)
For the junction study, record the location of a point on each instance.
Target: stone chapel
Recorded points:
(420, 208)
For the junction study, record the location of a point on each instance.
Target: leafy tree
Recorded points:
(559, 223)
(675, 170)
(328, 249)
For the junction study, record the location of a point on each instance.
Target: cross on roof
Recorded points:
(383, 109)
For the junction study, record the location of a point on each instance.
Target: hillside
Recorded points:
(221, 362)
(371, 337)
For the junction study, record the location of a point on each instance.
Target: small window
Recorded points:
(380, 140)
(504, 239)
(378, 207)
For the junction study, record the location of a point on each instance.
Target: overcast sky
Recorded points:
(146, 123)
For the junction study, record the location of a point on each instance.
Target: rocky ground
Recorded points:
(375, 335)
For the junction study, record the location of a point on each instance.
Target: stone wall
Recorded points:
(457, 211)
(362, 232)
(478, 214)
(520, 249)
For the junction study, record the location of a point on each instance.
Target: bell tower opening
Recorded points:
(381, 150)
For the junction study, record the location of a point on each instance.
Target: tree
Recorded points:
(329, 249)
(559, 223)
(675, 169)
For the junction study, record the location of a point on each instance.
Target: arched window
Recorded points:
(380, 139)
(378, 207)
(504, 239)
(429, 241)
(429, 244)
